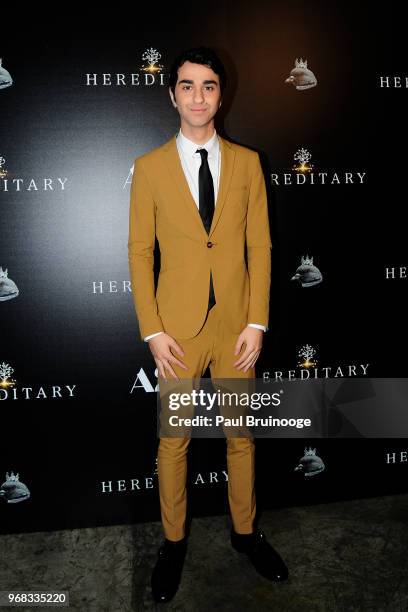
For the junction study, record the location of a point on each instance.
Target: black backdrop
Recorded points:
(88, 456)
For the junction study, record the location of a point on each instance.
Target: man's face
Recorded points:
(197, 94)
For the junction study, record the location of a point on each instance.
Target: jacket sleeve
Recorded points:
(258, 243)
(142, 234)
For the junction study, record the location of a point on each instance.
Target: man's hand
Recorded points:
(160, 347)
(253, 339)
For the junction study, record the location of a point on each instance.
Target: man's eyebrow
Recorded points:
(207, 81)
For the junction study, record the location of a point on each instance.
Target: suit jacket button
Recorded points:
(209, 244)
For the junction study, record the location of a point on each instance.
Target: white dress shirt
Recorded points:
(191, 162)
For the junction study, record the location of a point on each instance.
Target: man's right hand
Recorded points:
(160, 347)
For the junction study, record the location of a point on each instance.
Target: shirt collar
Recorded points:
(189, 147)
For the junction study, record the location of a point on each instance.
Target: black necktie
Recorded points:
(206, 205)
(205, 190)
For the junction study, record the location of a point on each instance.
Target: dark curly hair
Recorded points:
(198, 55)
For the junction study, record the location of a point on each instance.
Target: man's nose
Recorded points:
(198, 95)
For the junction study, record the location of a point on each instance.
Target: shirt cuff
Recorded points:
(152, 336)
(257, 326)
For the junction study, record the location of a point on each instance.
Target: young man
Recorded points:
(204, 199)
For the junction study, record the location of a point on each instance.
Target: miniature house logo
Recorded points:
(9, 390)
(8, 288)
(307, 274)
(310, 464)
(301, 77)
(13, 490)
(303, 172)
(5, 78)
(149, 73)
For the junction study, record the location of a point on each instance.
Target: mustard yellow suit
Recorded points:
(161, 205)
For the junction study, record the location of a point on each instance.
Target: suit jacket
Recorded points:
(237, 249)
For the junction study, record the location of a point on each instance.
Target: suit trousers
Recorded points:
(213, 346)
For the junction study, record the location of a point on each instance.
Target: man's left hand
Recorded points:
(253, 339)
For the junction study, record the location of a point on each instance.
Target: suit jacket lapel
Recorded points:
(227, 165)
(176, 170)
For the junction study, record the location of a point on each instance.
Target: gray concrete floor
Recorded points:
(344, 556)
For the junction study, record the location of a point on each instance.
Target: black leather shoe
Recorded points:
(167, 571)
(263, 557)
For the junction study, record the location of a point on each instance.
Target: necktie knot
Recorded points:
(203, 152)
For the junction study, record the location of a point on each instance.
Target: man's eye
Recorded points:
(210, 87)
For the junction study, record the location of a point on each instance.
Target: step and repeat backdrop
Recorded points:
(320, 91)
